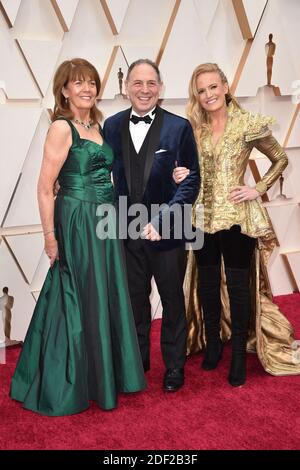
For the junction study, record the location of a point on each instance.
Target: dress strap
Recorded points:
(75, 133)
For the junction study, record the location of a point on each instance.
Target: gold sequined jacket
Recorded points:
(224, 166)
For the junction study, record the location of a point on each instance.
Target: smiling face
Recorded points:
(81, 93)
(211, 91)
(143, 88)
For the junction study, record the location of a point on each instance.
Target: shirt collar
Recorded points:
(150, 113)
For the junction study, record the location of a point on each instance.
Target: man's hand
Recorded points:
(56, 188)
(150, 233)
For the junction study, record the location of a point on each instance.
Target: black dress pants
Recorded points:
(237, 249)
(168, 268)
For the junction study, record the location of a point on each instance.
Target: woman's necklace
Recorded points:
(87, 126)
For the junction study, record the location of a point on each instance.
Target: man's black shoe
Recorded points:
(173, 380)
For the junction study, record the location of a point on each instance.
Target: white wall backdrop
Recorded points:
(37, 35)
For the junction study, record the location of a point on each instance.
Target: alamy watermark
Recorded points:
(171, 222)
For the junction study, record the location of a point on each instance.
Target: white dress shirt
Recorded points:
(139, 131)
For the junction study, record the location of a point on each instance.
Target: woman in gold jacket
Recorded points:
(227, 288)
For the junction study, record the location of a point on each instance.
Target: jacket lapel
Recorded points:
(125, 147)
(152, 144)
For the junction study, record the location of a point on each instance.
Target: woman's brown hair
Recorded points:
(70, 71)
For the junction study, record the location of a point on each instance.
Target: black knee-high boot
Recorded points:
(209, 289)
(239, 296)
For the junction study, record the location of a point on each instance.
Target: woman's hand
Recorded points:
(51, 248)
(56, 188)
(243, 193)
(180, 173)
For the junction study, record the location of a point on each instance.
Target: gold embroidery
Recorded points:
(224, 166)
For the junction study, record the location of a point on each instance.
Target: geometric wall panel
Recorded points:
(41, 57)
(294, 140)
(284, 66)
(27, 249)
(286, 223)
(43, 266)
(118, 11)
(280, 284)
(89, 37)
(11, 277)
(14, 73)
(11, 8)
(280, 108)
(144, 38)
(180, 49)
(220, 41)
(206, 12)
(37, 20)
(112, 85)
(24, 207)
(290, 19)
(249, 13)
(14, 149)
(66, 9)
(294, 262)
(225, 40)
(291, 175)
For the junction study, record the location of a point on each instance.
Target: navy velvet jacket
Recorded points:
(171, 144)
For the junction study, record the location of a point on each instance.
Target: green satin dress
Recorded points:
(81, 343)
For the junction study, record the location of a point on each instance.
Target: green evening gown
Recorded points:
(81, 343)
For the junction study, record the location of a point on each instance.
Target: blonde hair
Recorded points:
(70, 71)
(199, 117)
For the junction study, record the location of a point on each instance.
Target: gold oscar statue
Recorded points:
(270, 49)
(120, 80)
(281, 195)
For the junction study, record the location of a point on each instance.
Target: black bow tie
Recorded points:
(135, 119)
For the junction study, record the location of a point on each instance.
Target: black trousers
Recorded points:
(237, 249)
(168, 269)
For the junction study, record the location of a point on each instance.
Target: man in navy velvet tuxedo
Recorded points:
(148, 142)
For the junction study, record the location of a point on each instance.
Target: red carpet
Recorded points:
(206, 414)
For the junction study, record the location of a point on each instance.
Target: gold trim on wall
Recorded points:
(241, 66)
(10, 201)
(20, 230)
(29, 68)
(108, 70)
(288, 135)
(59, 16)
(15, 260)
(290, 272)
(6, 17)
(242, 18)
(168, 31)
(109, 17)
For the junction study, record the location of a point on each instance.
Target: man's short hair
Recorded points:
(143, 61)
(5, 290)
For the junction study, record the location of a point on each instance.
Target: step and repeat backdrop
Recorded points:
(37, 35)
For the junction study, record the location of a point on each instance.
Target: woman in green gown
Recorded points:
(81, 344)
